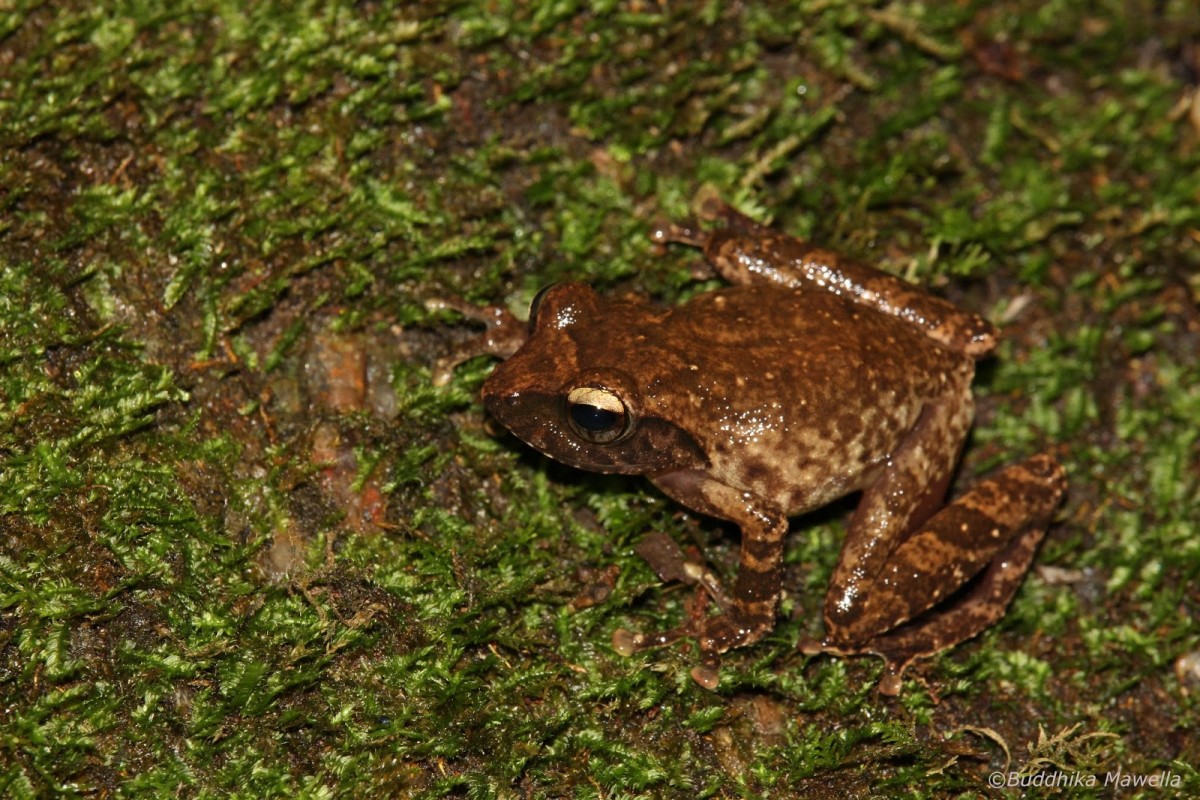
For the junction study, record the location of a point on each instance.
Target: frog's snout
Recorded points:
(500, 403)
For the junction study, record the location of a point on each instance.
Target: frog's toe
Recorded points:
(815, 647)
(811, 647)
(892, 680)
(442, 372)
(624, 642)
(663, 233)
(895, 663)
(894, 666)
(707, 676)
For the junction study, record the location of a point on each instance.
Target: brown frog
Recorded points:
(809, 378)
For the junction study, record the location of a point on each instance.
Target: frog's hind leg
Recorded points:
(862, 602)
(712, 209)
(744, 252)
(996, 526)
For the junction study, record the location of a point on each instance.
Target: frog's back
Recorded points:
(796, 393)
(806, 339)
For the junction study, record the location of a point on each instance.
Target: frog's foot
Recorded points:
(707, 673)
(626, 643)
(722, 633)
(664, 233)
(894, 663)
(1014, 507)
(687, 233)
(939, 629)
(668, 561)
(981, 607)
(503, 335)
(714, 634)
(712, 209)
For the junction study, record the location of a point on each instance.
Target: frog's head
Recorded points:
(572, 392)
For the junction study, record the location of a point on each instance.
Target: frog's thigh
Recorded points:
(755, 595)
(907, 492)
(1000, 522)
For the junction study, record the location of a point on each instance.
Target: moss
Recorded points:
(247, 548)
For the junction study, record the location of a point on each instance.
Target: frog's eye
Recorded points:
(537, 304)
(597, 415)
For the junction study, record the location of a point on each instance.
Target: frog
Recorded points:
(808, 378)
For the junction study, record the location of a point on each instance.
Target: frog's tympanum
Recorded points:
(809, 378)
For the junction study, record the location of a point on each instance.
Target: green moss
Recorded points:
(220, 576)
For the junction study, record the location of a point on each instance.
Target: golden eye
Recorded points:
(597, 415)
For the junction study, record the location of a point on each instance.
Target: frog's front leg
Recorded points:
(890, 575)
(750, 608)
(503, 335)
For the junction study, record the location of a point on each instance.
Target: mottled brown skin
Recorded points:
(808, 379)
